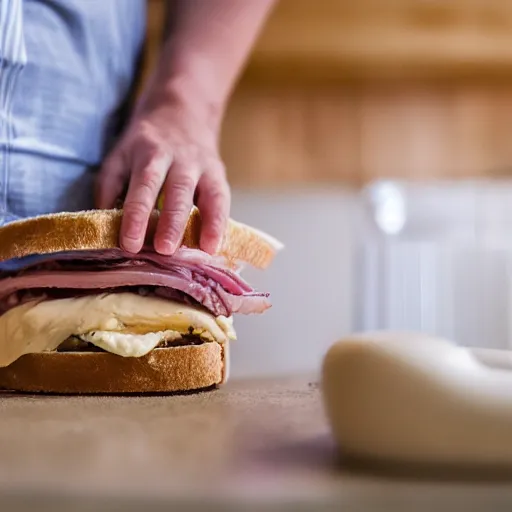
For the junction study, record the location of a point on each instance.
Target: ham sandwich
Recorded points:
(80, 315)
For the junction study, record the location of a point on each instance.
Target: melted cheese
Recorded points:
(129, 345)
(39, 327)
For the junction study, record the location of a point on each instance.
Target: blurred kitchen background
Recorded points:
(374, 138)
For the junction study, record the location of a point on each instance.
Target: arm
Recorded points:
(171, 143)
(207, 46)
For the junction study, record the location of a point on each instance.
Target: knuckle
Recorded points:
(187, 153)
(148, 141)
(173, 222)
(187, 165)
(143, 199)
(217, 223)
(171, 233)
(177, 213)
(136, 209)
(145, 194)
(215, 166)
(215, 215)
(150, 154)
(183, 185)
(150, 178)
(218, 190)
(145, 130)
(217, 195)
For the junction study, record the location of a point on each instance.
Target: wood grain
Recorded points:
(340, 40)
(295, 136)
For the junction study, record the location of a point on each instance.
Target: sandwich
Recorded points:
(80, 315)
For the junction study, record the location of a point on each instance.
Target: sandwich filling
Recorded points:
(118, 302)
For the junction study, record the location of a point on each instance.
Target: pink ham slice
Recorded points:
(189, 272)
(184, 257)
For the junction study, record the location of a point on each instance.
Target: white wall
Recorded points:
(449, 273)
(309, 281)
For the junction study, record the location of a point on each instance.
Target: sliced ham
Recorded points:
(184, 257)
(189, 273)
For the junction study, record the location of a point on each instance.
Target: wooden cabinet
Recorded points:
(341, 92)
(352, 135)
(332, 40)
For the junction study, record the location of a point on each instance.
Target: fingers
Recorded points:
(148, 168)
(214, 202)
(111, 180)
(179, 192)
(147, 177)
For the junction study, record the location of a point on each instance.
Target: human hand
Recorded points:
(171, 148)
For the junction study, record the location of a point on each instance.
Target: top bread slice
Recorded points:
(99, 229)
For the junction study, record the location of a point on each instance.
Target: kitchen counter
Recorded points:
(254, 445)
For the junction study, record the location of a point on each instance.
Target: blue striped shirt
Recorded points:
(66, 69)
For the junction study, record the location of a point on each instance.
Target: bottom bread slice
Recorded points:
(164, 370)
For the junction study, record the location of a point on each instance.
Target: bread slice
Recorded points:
(99, 229)
(164, 370)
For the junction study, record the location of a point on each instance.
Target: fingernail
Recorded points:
(164, 247)
(130, 238)
(168, 247)
(129, 246)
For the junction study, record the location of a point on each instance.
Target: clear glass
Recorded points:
(437, 258)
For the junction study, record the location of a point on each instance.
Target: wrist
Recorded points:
(187, 83)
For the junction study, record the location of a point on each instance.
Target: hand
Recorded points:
(173, 149)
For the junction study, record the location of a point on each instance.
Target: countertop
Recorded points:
(252, 445)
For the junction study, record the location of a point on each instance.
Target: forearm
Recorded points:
(206, 47)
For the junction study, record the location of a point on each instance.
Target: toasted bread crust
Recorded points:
(99, 229)
(164, 370)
